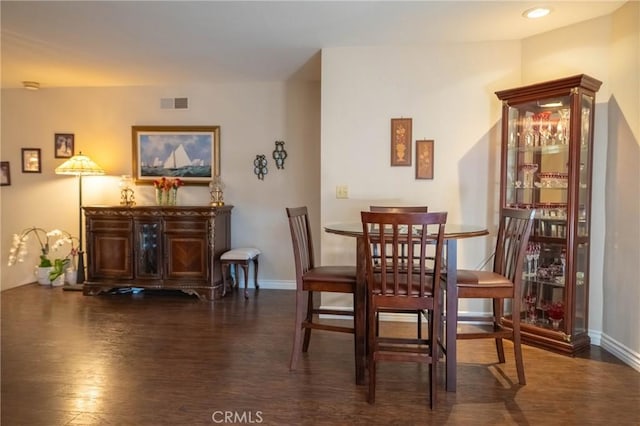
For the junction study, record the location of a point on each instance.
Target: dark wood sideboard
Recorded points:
(157, 247)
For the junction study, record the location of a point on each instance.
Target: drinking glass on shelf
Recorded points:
(562, 134)
(529, 170)
(530, 302)
(529, 136)
(545, 127)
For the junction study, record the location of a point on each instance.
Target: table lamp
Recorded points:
(79, 165)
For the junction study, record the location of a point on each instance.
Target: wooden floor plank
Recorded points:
(170, 359)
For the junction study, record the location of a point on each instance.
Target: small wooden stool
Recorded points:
(240, 256)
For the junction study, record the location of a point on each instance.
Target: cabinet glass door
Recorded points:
(537, 173)
(148, 261)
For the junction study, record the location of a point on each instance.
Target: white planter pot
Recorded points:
(42, 275)
(58, 281)
(71, 276)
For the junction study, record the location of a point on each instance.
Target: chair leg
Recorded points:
(434, 350)
(372, 321)
(255, 272)
(497, 314)
(225, 275)
(245, 268)
(517, 346)
(309, 319)
(297, 337)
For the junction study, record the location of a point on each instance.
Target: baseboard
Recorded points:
(620, 351)
(270, 284)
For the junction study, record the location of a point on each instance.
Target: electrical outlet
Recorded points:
(342, 191)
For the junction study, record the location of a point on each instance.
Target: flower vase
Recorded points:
(71, 276)
(159, 196)
(42, 275)
(173, 198)
(58, 282)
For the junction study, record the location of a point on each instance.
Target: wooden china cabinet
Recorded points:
(157, 247)
(547, 149)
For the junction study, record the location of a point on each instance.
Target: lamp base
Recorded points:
(72, 287)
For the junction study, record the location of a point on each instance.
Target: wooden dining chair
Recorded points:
(310, 281)
(403, 252)
(503, 282)
(391, 284)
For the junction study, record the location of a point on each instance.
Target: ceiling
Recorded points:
(123, 43)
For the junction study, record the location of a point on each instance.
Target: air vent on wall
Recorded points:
(174, 103)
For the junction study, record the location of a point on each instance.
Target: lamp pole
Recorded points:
(80, 278)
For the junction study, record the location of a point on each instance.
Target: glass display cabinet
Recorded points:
(547, 141)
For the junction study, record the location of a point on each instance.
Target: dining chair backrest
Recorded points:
(302, 240)
(421, 233)
(410, 283)
(513, 236)
(396, 209)
(399, 209)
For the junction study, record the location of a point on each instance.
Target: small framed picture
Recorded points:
(401, 141)
(63, 145)
(5, 173)
(424, 159)
(31, 160)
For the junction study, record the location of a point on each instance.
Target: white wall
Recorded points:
(448, 91)
(621, 293)
(251, 116)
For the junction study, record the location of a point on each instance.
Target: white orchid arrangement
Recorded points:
(19, 248)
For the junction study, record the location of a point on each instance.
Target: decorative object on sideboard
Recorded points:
(279, 154)
(127, 197)
(167, 191)
(260, 166)
(216, 189)
(191, 153)
(79, 165)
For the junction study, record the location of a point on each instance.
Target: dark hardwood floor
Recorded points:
(169, 359)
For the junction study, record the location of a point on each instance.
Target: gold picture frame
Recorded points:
(191, 153)
(401, 141)
(424, 159)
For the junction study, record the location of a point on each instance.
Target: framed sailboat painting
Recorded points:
(191, 153)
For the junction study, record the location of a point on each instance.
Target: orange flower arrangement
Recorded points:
(167, 190)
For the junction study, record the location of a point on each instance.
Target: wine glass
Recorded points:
(529, 170)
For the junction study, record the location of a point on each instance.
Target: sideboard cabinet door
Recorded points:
(148, 241)
(110, 249)
(187, 256)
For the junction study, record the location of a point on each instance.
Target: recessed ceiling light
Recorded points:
(31, 85)
(536, 12)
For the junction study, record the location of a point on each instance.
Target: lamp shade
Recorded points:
(79, 165)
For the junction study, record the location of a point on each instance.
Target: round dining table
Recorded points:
(453, 233)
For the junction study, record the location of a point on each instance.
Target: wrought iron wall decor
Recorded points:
(260, 166)
(279, 154)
